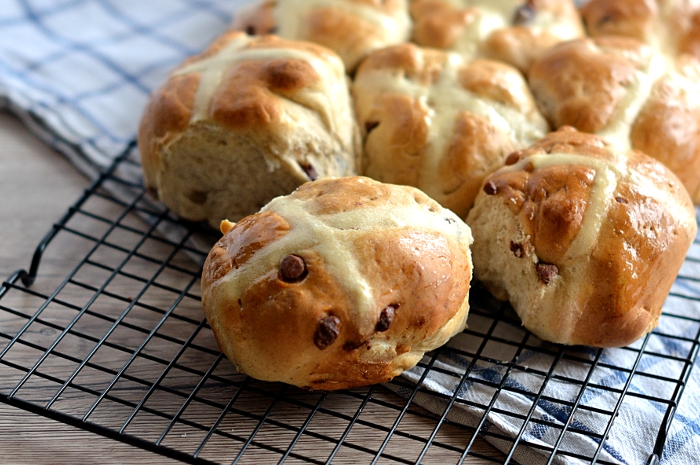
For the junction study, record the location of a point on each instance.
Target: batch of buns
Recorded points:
(377, 153)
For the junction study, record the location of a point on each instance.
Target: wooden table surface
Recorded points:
(36, 186)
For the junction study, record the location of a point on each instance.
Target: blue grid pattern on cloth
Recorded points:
(639, 415)
(79, 73)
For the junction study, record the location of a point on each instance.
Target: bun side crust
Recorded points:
(584, 241)
(249, 119)
(392, 292)
(166, 114)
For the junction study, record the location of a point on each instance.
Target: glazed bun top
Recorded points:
(571, 187)
(351, 28)
(671, 27)
(265, 66)
(513, 31)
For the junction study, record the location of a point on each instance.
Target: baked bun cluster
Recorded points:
(437, 121)
(341, 280)
(629, 94)
(582, 238)
(351, 28)
(512, 31)
(345, 282)
(248, 120)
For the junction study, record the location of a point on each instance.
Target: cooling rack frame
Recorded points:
(52, 362)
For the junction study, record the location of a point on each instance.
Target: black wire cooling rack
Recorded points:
(118, 345)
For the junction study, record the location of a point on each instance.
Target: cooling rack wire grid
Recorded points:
(117, 344)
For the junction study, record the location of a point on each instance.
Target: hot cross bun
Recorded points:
(583, 239)
(437, 121)
(345, 282)
(248, 120)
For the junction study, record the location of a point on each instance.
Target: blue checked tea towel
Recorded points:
(79, 72)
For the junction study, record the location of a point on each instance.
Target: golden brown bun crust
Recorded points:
(571, 283)
(250, 95)
(351, 28)
(249, 119)
(668, 125)
(429, 129)
(618, 87)
(671, 27)
(166, 114)
(525, 28)
(270, 328)
(258, 19)
(581, 84)
(437, 24)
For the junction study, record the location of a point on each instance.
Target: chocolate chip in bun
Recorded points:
(628, 93)
(437, 121)
(351, 28)
(248, 120)
(345, 282)
(584, 239)
(512, 31)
